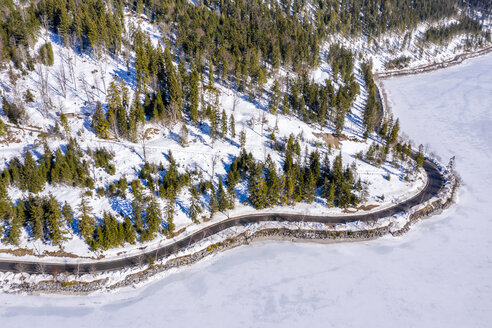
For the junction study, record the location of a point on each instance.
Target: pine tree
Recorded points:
(7, 214)
(129, 229)
(210, 74)
(36, 216)
(213, 124)
(223, 125)
(3, 128)
(5, 202)
(257, 188)
(394, 132)
(225, 69)
(67, 213)
(242, 139)
(214, 206)
(309, 186)
(64, 25)
(137, 214)
(194, 96)
(275, 98)
(31, 177)
(159, 109)
(330, 196)
(14, 232)
(419, 158)
(285, 105)
(141, 67)
(86, 222)
(223, 203)
(273, 183)
(53, 217)
(170, 217)
(153, 217)
(276, 56)
(195, 208)
(232, 124)
(99, 122)
(175, 97)
(21, 212)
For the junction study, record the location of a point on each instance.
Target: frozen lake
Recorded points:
(437, 275)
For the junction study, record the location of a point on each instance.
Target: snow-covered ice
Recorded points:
(437, 275)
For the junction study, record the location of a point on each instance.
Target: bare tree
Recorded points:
(139, 260)
(20, 267)
(235, 101)
(61, 77)
(43, 86)
(143, 140)
(71, 62)
(102, 67)
(41, 267)
(85, 87)
(45, 22)
(95, 81)
(215, 159)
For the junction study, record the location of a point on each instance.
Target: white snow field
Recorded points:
(437, 275)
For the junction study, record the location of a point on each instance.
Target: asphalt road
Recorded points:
(434, 185)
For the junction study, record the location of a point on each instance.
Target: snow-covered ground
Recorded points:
(437, 275)
(202, 153)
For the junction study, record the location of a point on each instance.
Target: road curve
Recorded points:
(435, 181)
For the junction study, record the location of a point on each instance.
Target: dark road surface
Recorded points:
(434, 185)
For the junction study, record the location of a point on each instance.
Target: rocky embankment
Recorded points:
(106, 282)
(458, 59)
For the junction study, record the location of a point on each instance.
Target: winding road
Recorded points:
(435, 181)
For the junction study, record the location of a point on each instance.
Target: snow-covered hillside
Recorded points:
(437, 275)
(76, 81)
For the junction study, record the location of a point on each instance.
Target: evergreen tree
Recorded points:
(275, 98)
(99, 122)
(195, 207)
(232, 124)
(7, 214)
(36, 216)
(223, 203)
(213, 124)
(32, 178)
(159, 109)
(214, 206)
(257, 188)
(309, 186)
(394, 132)
(242, 138)
(129, 229)
(86, 222)
(14, 231)
(153, 217)
(52, 214)
(170, 217)
(21, 212)
(137, 214)
(223, 125)
(419, 158)
(285, 105)
(194, 96)
(273, 183)
(67, 213)
(210, 74)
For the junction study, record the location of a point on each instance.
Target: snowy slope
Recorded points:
(201, 153)
(438, 275)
